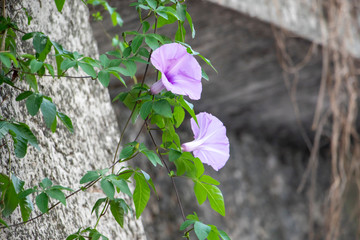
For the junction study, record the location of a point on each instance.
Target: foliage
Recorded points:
(165, 111)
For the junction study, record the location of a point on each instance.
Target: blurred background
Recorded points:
(286, 90)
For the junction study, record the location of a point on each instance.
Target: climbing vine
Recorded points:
(161, 106)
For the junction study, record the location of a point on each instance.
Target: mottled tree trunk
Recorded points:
(64, 157)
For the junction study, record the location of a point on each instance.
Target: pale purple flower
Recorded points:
(180, 72)
(211, 144)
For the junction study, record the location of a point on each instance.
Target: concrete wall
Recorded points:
(65, 157)
(303, 17)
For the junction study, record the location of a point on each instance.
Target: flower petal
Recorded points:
(211, 144)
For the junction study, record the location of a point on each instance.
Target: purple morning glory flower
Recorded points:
(180, 72)
(211, 144)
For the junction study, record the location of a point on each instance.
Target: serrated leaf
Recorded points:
(108, 188)
(117, 212)
(163, 108)
(104, 78)
(57, 194)
(201, 230)
(42, 201)
(141, 194)
(33, 103)
(48, 110)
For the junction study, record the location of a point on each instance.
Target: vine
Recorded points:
(161, 105)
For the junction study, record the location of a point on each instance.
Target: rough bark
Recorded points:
(65, 157)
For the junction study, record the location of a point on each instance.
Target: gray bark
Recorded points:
(65, 157)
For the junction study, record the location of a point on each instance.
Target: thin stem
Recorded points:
(48, 75)
(168, 170)
(102, 213)
(7, 145)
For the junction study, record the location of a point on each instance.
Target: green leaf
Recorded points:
(116, 19)
(152, 3)
(136, 43)
(141, 194)
(179, 115)
(174, 155)
(122, 185)
(153, 157)
(89, 177)
(181, 11)
(46, 183)
(209, 180)
(216, 198)
(9, 197)
(188, 17)
(33, 103)
(117, 211)
(108, 188)
(57, 194)
(200, 193)
(87, 68)
(59, 187)
(24, 95)
(67, 63)
(130, 67)
(39, 42)
(20, 145)
(127, 152)
(48, 110)
(66, 121)
(97, 205)
(35, 65)
(146, 26)
(42, 201)
(201, 230)
(185, 224)
(199, 167)
(31, 80)
(151, 42)
(223, 235)
(59, 4)
(145, 109)
(188, 107)
(50, 69)
(18, 184)
(3, 222)
(5, 60)
(104, 78)
(204, 75)
(163, 108)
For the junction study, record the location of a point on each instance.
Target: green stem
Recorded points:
(102, 213)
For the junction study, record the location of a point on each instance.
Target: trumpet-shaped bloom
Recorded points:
(180, 72)
(211, 144)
